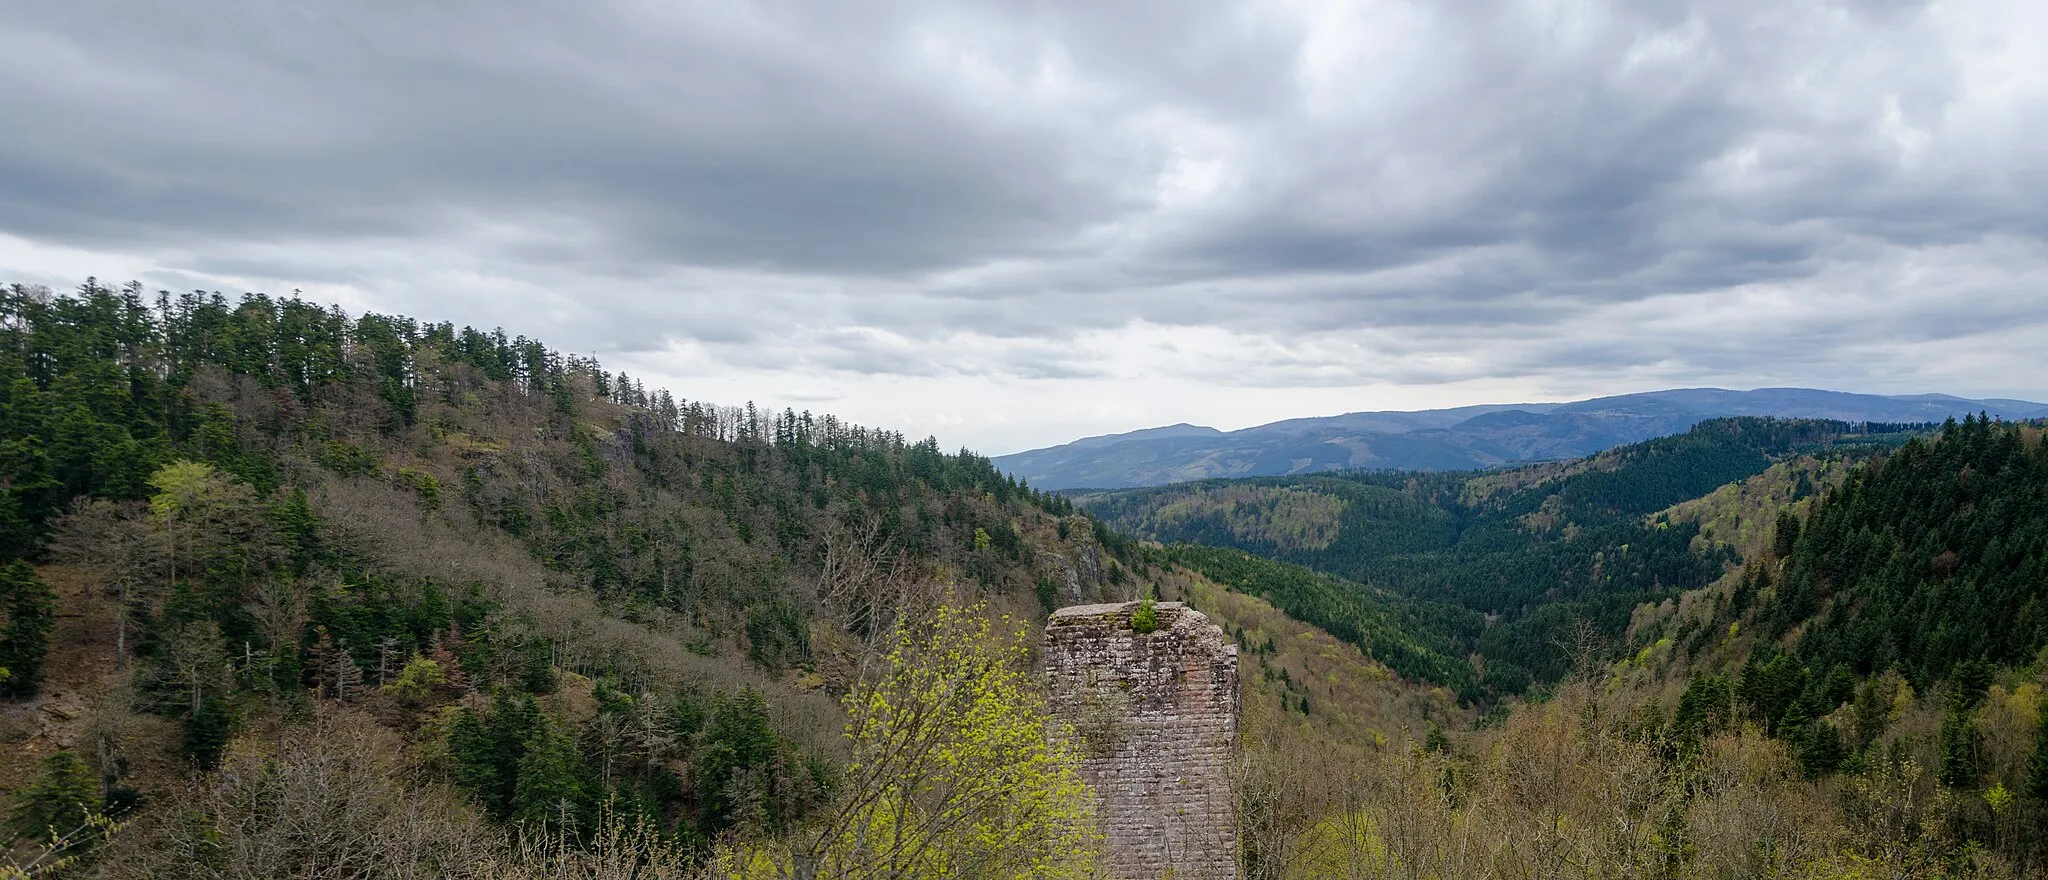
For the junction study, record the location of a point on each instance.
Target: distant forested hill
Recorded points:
(1525, 554)
(1455, 439)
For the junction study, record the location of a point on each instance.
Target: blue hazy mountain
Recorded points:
(1452, 439)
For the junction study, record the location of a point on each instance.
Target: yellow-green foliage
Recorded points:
(953, 774)
(1744, 515)
(1547, 517)
(1570, 788)
(1291, 519)
(423, 484)
(2007, 724)
(1343, 846)
(417, 680)
(179, 486)
(472, 447)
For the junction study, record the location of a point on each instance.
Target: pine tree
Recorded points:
(207, 733)
(474, 752)
(1958, 749)
(551, 791)
(1703, 708)
(1744, 593)
(1872, 712)
(1839, 687)
(738, 750)
(2037, 770)
(1822, 752)
(1772, 690)
(25, 640)
(494, 758)
(1437, 742)
(59, 800)
(1786, 536)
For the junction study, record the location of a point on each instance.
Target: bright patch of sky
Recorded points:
(1010, 225)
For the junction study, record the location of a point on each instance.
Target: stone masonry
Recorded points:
(1157, 718)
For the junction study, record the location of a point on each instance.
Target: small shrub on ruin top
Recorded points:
(1145, 620)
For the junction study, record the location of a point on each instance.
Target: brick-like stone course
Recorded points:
(1158, 713)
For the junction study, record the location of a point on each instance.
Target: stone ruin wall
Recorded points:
(1157, 715)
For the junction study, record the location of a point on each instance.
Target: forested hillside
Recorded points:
(1934, 558)
(1506, 563)
(286, 591)
(1858, 692)
(1421, 641)
(479, 580)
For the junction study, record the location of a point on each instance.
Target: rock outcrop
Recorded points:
(1157, 715)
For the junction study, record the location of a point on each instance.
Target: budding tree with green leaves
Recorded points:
(955, 772)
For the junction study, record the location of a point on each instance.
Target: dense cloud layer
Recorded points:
(1010, 222)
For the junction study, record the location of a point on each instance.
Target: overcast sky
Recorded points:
(1013, 224)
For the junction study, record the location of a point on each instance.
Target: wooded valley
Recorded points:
(289, 591)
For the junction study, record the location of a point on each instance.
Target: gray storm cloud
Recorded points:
(1400, 192)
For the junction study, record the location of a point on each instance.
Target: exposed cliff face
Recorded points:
(1158, 715)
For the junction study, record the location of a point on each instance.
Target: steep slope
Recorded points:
(1926, 562)
(1922, 561)
(1455, 439)
(1885, 631)
(421, 586)
(1417, 640)
(1300, 678)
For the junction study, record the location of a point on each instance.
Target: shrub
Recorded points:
(1145, 620)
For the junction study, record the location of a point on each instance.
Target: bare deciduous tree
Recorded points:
(334, 801)
(119, 548)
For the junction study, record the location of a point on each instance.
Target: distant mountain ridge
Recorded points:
(1456, 438)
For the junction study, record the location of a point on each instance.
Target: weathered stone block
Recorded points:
(1157, 715)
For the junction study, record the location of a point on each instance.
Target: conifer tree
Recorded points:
(473, 752)
(1822, 752)
(1786, 535)
(60, 799)
(2037, 770)
(207, 732)
(1958, 749)
(30, 606)
(1703, 708)
(551, 791)
(487, 750)
(738, 750)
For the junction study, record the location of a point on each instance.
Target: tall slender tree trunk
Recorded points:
(121, 631)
